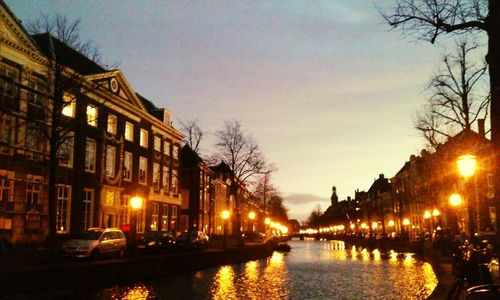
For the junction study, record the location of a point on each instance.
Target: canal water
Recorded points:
(312, 270)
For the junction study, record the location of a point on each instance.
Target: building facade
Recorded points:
(117, 145)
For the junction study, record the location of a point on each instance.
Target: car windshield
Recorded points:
(90, 235)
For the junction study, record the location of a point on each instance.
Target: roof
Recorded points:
(189, 158)
(67, 55)
(151, 108)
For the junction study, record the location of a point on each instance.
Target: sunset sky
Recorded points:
(325, 87)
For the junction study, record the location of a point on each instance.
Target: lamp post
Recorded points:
(136, 204)
(456, 202)
(466, 165)
(406, 223)
(427, 216)
(251, 216)
(225, 216)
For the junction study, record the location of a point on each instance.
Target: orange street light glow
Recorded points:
(136, 202)
(251, 215)
(391, 223)
(225, 214)
(436, 212)
(466, 165)
(427, 214)
(455, 200)
(406, 222)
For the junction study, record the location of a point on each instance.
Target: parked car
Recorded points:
(157, 241)
(96, 242)
(193, 239)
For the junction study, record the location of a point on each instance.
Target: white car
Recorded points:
(96, 242)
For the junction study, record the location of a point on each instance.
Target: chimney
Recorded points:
(381, 176)
(480, 127)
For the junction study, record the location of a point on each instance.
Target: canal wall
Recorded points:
(76, 276)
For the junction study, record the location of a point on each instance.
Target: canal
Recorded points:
(312, 270)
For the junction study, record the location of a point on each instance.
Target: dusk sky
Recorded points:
(327, 90)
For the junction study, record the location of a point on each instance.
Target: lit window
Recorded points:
(88, 207)
(143, 168)
(156, 176)
(63, 208)
(110, 161)
(173, 216)
(157, 143)
(175, 152)
(69, 105)
(110, 198)
(165, 179)
(92, 115)
(127, 172)
(154, 217)
(144, 138)
(112, 121)
(164, 217)
(174, 182)
(90, 155)
(166, 148)
(129, 131)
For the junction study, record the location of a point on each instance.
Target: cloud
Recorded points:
(298, 199)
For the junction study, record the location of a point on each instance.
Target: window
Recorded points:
(164, 217)
(175, 151)
(63, 208)
(174, 182)
(110, 161)
(144, 138)
(129, 131)
(5, 129)
(165, 179)
(69, 105)
(127, 163)
(157, 143)
(166, 148)
(90, 155)
(8, 76)
(112, 124)
(66, 151)
(34, 142)
(6, 187)
(88, 207)
(92, 115)
(140, 221)
(110, 198)
(173, 217)
(156, 176)
(124, 212)
(33, 189)
(143, 168)
(154, 217)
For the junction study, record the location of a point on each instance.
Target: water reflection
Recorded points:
(312, 270)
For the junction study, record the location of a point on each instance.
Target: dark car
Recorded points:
(156, 241)
(193, 239)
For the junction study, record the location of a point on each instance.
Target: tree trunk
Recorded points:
(53, 171)
(493, 59)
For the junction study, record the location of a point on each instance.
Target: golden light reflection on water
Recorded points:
(429, 277)
(376, 255)
(393, 257)
(224, 284)
(135, 292)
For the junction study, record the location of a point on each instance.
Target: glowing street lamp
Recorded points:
(466, 165)
(406, 222)
(267, 221)
(225, 216)
(427, 214)
(391, 223)
(136, 203)
(455, 200)
(435, 212)
(251, 216)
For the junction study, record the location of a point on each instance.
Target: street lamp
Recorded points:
(136, 204)
(225, 216)
(466, 165)
(251, 216)
(455, 202)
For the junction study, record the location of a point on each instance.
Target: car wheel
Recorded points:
(95, 254)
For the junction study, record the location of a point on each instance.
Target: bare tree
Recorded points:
(457, 99)
(277, 208)
(264, 190)
(193, 134)
(241, 153)
(64, 86)
(428, 19)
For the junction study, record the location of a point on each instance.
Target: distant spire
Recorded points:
(334, 197)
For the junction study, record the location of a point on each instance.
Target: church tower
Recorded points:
(334, 197)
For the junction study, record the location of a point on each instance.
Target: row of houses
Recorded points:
(428, 193)
(113, 144)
